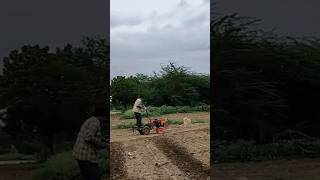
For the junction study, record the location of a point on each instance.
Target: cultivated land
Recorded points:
(298, 169)
(180, 153)
(17, 172)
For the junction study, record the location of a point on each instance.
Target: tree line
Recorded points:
(46, 92)
(174, 85)
(263, 83)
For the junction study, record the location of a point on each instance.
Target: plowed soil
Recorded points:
(298, 169)
(17, 172)
(180, 153)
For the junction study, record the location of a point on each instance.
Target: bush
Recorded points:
(174, 122)
(197, 121)
(250, 151)
(16, 156)
(158, 111)
(63, 167)
(5, 142)
(26, 147)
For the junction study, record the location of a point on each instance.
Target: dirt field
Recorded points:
(180, 153)
(16, 172)
(299, 169)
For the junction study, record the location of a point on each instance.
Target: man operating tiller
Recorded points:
(137, 108)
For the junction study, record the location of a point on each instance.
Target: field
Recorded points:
(298, 169)
(17, 172)
(180, 153)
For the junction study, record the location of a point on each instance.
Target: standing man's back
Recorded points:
(88, 143)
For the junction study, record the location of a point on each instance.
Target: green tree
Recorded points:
(48, 93)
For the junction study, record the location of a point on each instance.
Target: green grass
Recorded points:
(115, 112)
(158, 111)
(250, 151)
(130, 123)
(198, 121)
(174, 122)
(16, 156)
(62, 166)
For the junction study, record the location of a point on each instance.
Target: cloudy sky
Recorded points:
(54, 23)
(146, 34)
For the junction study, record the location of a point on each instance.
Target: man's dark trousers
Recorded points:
(89, 170)
(138, 118)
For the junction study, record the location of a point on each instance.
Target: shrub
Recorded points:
(28, 147)
(5, 142)
(158, 111)
(249, 151)
(16, 156)
(174, 122)
(63, 167)
(197, 121)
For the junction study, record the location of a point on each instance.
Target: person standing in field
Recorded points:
(137, 107)
(88, 143)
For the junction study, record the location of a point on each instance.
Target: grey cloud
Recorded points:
(117, 21)
(183, 38)
(183, 3)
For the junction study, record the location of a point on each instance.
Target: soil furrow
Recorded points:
(117, 161)
(145, 161)
(180, 157)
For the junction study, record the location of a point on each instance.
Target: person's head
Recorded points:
(100, 113)
(140, 97)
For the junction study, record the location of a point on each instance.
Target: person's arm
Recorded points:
(91, 136)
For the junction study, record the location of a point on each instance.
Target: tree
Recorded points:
(48, 93)
(173, 85)
(262, 83)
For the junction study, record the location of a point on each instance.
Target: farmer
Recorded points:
(88, 143)
(137, 107)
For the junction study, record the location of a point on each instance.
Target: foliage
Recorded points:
(63, 167)
(250, 151)
(174, 122)
(263, 83)
(16, 156)
(48, 92)
(158, 111)
(127, 124)
(5, 142)
(173, 86)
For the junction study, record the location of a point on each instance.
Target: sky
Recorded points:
(53, 23)
(288, 17)
(146, 34)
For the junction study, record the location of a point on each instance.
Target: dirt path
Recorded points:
(298, 169)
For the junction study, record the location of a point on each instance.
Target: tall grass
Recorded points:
(250, 151)
(16, 156)
(158, 111)
(130, 124)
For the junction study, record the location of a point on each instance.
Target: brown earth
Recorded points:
(17, 172)
(173, 155)
(298, 169)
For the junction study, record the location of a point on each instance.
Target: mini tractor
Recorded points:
(159, 125)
